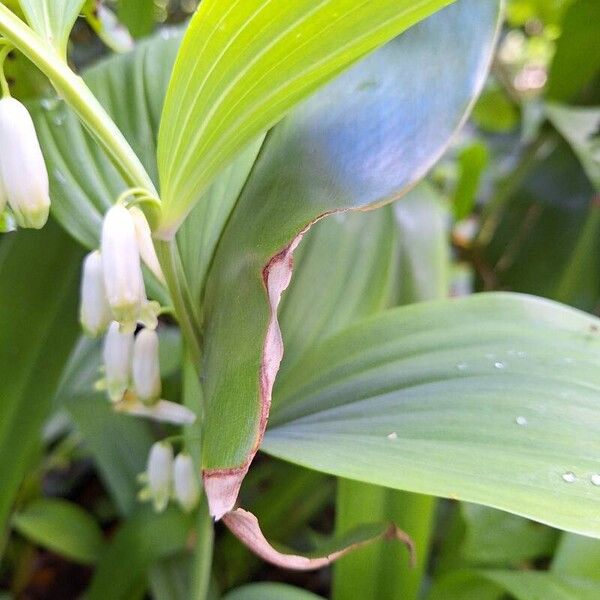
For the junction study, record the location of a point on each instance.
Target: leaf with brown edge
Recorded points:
(351, 147)
(244, 525)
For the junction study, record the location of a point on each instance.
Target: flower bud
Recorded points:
(94, 312)
(118, 348)
(144, 238)
(121, 265)
(160, 474)
(22, 168)
(187, 489)
(146, 368)
(163, 411)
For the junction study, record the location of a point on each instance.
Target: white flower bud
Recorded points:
(121, 265)
(160, 474)
(144, 238)
(187, 489)
(22, 168)
(146, 367)
(94, 311)
(117, 353)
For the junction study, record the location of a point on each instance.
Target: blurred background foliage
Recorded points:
(519, 195)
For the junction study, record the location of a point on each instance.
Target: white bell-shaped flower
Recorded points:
(117, 354)
(163, 411)
(22, 168)
(187, 488)
(144, 238)
(159, 472)
(121, 266)
(146, 367)
(94, 311)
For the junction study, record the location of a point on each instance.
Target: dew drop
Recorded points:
(392, 436)
(522, 421)
(499, 365)
(462, 366)
(569, 477)
(595, 479)
(521, 354)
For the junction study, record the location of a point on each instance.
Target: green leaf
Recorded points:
(242, 66)
(53, 19)
(577, 58)
(472, 162)
(350, 147)
(496, 538)
(521, 585)
(38, 296)
(491, 399)
(270, 591)
(137, 16)
(83, 181)
(578, 556)
(581, 128)
(140, 542)
(63, 527)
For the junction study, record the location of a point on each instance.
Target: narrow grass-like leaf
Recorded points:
(38, 328)
(270, 591)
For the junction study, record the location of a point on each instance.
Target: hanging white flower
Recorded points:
(187, 488)
(22, 168)
(121, 266)
(146, 367)
(144, 238)
(94, 311)
(117, 354)
(159, 473)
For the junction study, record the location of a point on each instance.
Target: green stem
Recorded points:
(73, 89)
(3, 82)
(170, 262)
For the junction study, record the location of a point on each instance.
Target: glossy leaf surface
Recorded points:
(348, 147)
(243, 65)
(491, 399)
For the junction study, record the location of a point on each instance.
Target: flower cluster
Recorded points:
(113, 301)
(167, 477)
(24, 187)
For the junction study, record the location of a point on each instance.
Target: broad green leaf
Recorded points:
(581, 128)
(38, 328)
(577, 58)
(577, 556)
(491, 399)
(270, 591)
(379, 571)
(63, 527)
(496, 538)
(351, 146)
(520, 585)
(141, 541)
(243, 65)
(83, 181)
(53, 19)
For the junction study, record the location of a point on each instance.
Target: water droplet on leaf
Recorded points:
(521, 421)
(392, 436)
(569, 477)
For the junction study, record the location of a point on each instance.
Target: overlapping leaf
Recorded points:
(351, 146)
(491, 399)
(244, 64)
